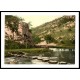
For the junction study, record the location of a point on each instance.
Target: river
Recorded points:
(58, 55)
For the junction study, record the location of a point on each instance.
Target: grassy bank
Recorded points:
(33, 51)
(29, 52)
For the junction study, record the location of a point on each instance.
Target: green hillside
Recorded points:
(62, 30)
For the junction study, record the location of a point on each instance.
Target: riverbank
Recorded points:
(66, 55)
(29, 52)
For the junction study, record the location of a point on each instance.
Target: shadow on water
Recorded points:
(66, 55)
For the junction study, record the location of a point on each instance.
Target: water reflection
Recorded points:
(55, 56)
(67, 55)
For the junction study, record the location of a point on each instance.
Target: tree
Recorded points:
(12, 23)
(30, 24)
(36, 39)
(48, 38)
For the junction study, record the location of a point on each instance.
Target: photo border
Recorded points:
(40, 67)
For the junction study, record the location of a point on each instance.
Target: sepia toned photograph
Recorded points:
(40, 39)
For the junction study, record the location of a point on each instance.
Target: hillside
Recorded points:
(62, 30)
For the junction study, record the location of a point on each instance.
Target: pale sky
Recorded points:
(37, 20)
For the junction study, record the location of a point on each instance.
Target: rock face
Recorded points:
(24, 35)
(27, 35)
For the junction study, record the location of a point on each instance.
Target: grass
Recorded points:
(25, 50)
(34, 51)
(29, 52)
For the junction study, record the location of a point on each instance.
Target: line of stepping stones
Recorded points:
(51, 60)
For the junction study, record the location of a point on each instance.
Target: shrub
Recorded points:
(36, 39)
(69, 29)
(48, 38)
(62, 42)
(13, 45)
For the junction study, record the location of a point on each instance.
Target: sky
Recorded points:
(37, 20)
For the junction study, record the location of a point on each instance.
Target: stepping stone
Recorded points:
(18, 55)
(34, 57)
(12, 61)
(24, 56)
(52, 62)
(62, 62)
(45, 59)
(15, 55)
(39, 58)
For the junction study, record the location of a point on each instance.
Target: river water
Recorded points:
(58, 54)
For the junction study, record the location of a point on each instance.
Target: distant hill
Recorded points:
(61, 29)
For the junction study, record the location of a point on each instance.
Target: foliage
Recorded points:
(62, 42)
(12, 22)
(64, 20)
(10, 44)
(63, 27)
(36, 39)
(69, 29)
(48, 38)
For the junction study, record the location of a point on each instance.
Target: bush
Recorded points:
(36, 39)
(13, 45)
(48, 38)
(62, 42)
(69, 29)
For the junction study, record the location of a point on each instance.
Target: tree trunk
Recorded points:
(13, 36)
